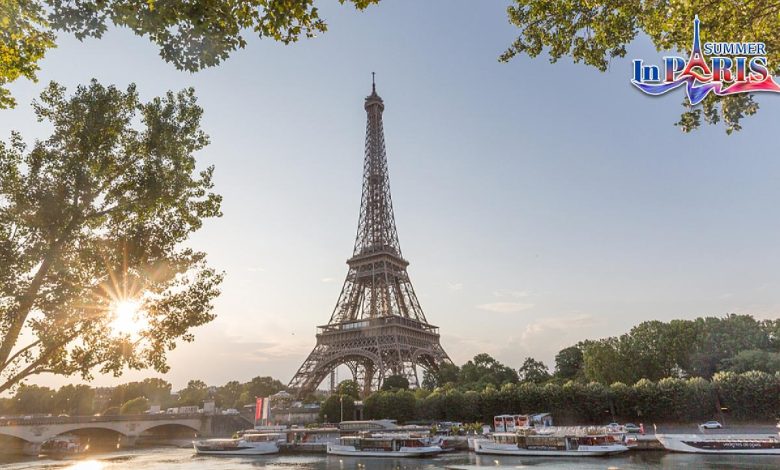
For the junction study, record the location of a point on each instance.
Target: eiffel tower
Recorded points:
(378, 328)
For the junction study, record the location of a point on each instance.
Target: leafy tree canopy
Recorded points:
(395, 382)
(596, 32)
(568, 362)
(534, 371)
(93, 274)
(194, 394)
(330, 409)
(135, 406)
(349, 388)
(190, 35)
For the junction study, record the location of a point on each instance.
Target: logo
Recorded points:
(734, 67)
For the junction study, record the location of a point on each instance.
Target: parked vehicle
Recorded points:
(711, 425)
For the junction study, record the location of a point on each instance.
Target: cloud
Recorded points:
(255, 269)
(548, 328)
(511, 293)
(327, 279)
(455, 286)
(505, 307)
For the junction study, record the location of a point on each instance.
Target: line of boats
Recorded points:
(549, 441)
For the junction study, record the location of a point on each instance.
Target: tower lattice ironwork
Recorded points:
(378, 328)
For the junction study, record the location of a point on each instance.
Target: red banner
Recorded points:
(259, 409)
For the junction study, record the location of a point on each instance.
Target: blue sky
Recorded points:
(539, 204)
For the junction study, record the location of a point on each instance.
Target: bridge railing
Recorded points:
(22, 421)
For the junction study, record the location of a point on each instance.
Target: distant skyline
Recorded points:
(538, 204)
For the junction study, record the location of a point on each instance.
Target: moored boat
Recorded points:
(396, 445)
(247, 444)
(550, 443)
(63, 446)
(721, 443)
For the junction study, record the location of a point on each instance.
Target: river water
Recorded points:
(184, 459)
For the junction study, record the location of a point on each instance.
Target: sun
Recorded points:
(127, 317)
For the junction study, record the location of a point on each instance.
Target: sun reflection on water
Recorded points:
(87, 465)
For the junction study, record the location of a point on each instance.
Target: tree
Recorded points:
(228, 395)
(30, 399)
(568, 363)
(597, 32)
(135, 406)
(158, 391)
(93, 274)
(723, 338)
(74, 400)
(194, 394)
(446, 373)
(330, 409)
(190, 36)
(261, 387)
(484, 370)
(24, 39)
(534, 371)
(753, 359)
(395, 382)
(350, 388)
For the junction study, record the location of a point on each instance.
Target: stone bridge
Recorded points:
(36, 431)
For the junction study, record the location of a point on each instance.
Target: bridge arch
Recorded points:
(173, 426)
(344, 357)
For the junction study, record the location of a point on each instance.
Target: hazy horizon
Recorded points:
(538, 204)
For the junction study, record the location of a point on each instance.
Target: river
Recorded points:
(183, 459)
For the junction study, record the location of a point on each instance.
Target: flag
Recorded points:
(262, 409)
(259, 409)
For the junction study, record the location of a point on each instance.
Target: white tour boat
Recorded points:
(721, 443)
(550, 443)
(386, 445)
(248, 444)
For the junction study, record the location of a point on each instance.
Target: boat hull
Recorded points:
(490, 448)
(264, 448)
(720, 444)
(405, 452)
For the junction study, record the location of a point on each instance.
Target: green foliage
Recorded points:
(158, 391)
(135, 406)
(386, 404)
(654, 350)
(228, 395)
(751, 396)
(395, 382)
(194, 394)
(568, 363)
(24, 39)
(484, 370)
(190, 36)
(534, 371)
(73, 400)
(30, 399)
(596, 32)
(96, 214)
(331, 408)
(350, 388)
(753, 359)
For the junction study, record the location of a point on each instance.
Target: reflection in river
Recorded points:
(184, 459)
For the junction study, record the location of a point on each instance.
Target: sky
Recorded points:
(539, 204)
